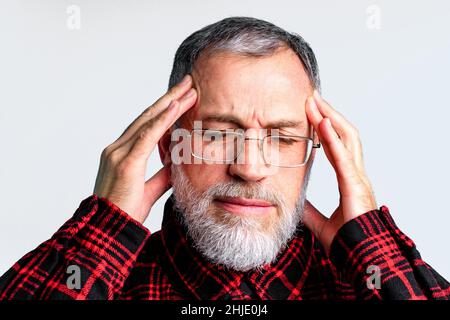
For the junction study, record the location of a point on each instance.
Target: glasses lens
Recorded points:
(287, 151)
(215, 146)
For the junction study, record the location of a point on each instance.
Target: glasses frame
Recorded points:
(261, 146)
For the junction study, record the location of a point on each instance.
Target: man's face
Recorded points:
(249, 93)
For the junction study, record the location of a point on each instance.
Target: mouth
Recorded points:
(243, 206)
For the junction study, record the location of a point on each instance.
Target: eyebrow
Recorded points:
(283, 123)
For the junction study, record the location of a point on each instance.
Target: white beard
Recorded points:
(233, 241)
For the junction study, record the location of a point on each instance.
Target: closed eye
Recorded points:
(286, 140)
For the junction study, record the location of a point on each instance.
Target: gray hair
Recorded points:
(245, 36)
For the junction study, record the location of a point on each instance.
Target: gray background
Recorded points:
(66, 94)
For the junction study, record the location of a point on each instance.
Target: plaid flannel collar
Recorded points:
(204, 280)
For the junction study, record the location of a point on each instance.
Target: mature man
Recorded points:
(244, 94)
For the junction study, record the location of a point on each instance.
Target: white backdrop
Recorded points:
(68, 92)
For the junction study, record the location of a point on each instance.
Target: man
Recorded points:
(237, 133)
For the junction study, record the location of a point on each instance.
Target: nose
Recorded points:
(250, 164)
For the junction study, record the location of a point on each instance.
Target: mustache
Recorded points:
(244, 190)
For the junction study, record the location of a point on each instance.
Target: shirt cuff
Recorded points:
(105, 231)
(367, 241)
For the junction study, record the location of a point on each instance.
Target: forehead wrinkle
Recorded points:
(279, 123)
(216, 100)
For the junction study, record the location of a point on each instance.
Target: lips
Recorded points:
(246, 202)
(244, 206)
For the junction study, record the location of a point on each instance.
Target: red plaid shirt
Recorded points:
(119, 259)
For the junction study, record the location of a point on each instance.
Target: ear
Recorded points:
(164, 147)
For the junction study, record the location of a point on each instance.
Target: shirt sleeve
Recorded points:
(381, 262)
(89, 257)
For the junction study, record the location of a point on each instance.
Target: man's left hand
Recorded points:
(342, 146)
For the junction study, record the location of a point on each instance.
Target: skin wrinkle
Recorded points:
(203, 78)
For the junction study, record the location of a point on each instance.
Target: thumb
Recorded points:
(313, 219)
(156, 186)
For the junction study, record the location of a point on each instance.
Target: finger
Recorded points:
(187, 101)
(313, 219)
(345, 130)
(148, 136)
(156, 186)
(329, 138)
(342, 126)
(313, 114)
(141, 145)
(337, 154)
(175, 93)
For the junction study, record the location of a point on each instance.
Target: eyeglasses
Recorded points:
(225, 146)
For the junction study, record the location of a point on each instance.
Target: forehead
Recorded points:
(257, 90)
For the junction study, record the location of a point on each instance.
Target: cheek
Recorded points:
(203, 176)
(289, 183)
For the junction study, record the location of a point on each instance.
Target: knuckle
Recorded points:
(106, 152)
(148, 111)
(114, 157)
(146, 133)
(172, 92)
(103, 155)
(109, 156)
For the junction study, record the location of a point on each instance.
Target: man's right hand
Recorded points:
(121, 175)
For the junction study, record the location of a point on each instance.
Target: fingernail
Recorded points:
(186, 79)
